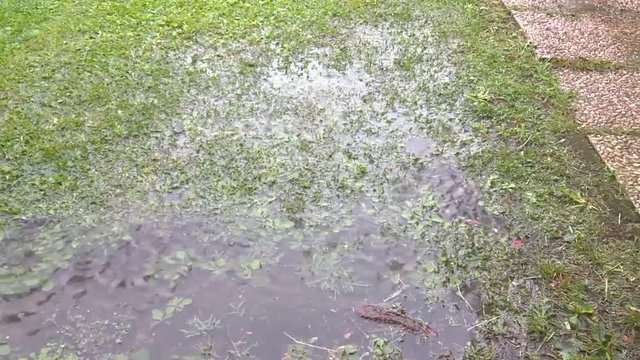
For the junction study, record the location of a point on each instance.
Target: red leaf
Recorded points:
(517, 242)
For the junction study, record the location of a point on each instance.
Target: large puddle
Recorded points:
(334, 185)
(245, 287)
(172, 286)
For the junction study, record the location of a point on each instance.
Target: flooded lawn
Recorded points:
(345, 193)
(178, 286)
(301, 189)
(219, 286)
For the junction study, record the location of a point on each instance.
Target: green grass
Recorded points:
(582, 253)
(85, 88)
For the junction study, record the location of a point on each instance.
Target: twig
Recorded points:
(318, 280)
(483, 323)
(332, 351)
(355, 323)
(236, 349)
(465, 300)
(397, 292)
(545, 340)
(360, 285)
(237, 309)
(530, 278)
(525, 142)
(518, 282)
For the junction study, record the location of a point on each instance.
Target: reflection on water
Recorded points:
(171, 284)
(241, 289)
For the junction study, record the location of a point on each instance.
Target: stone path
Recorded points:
(602, 35)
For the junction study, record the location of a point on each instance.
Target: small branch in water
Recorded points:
(465, 300)
(389, 316)
(332, 351)
(236, 349)
(483, 323)
(397, 292)
(359, 328)
(360, 285)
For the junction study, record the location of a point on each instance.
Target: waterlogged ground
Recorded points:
(342, 170)
(242, 195)
(172, 286)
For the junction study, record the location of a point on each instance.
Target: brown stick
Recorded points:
(385, 315)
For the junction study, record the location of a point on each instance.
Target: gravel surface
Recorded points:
(605, 99)
(575, 5)
(622, 155)
(586, 36)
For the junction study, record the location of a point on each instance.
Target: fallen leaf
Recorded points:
(517, 242)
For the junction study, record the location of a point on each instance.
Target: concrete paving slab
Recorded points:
(622, 155)
(574, 5)
(609, 100)
(593, 36)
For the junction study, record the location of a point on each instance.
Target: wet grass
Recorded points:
(573, 286)
(101, 102)
(86, 89)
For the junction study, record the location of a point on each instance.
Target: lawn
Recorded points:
(257, 150)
